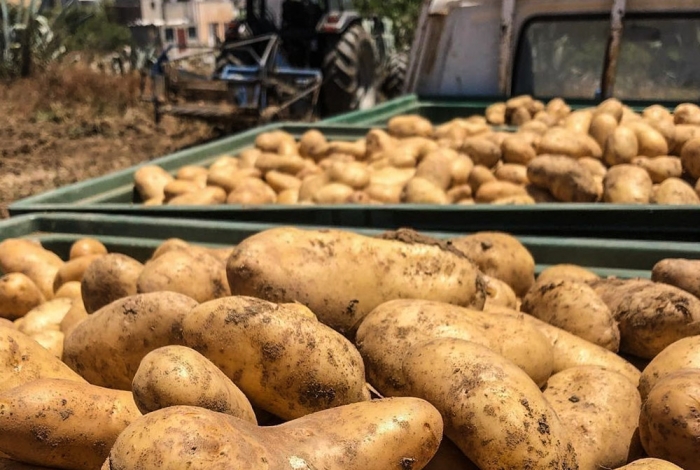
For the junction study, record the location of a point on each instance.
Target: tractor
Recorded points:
(287, 60)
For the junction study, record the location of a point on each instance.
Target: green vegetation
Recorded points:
(403, 13)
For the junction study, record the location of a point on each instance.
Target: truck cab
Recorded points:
(588, 50)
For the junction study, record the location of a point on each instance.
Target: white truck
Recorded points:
(588, 50)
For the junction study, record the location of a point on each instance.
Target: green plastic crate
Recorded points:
(138, 237)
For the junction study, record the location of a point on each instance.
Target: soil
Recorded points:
(73, 123)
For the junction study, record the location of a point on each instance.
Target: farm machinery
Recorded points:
(286, 60)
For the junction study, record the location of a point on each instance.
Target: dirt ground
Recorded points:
(72, 123)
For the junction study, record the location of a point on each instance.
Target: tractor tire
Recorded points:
(395, 75)
(350, 73)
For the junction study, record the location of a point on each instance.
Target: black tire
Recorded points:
(395, 75)
(350, 73)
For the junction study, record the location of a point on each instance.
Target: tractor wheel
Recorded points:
(395, 75)
(350, 73)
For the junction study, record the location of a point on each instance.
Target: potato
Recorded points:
(402, 264)
(566, 272)
(667, 130)
(86, 246)
(252, 191)
(570, 351)
(353, 174)
(690, 157)
(458, 193)
(32, 260)
(357, 149)
(594, 166)
(657, 112)
(686, 113)
(109, 278)
(107, 347)
(7, 323)
(422, 191)
(191, 173)
(23, 360)
(668, 424)
(390, 194)
(682, 354)
(651, 143)
(313, 144)
(378, 140)
(177, 375)
(491, 409)
(69, 290)
(621, 147)
(18, 295)
(481, 151)
(562, 141)
(288, 196)
(209, 195)
(579, 121)
(650, 464)
(534, 127)
(392, 176)
(333, 193)
(602, 127)
(513, 173)
(501, 256)
(675, 191)
(8, 464)
(565, 178)
(171, 244)
(518, 199)
(73, 270)
(250, 340)
(47, 316)
(436, 167)
(681, 273)
(627, 184)
(660, 168)
(493, 190)
(225, 161)
(175, 271)
(574, 307)
(179, 187)
(594, 404)
(63, 423)
(400, 325)
(51, 340)
(271, 141)
(73, 317)
(398, 433)
(228, 178)
(478, 176)
(650, 315)
(496, 114)
(150, 181)
(539, 194)
(310, 185)
(558, 106)
(409, 125)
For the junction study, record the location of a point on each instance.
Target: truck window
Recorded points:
(659, 59)
(561, 57)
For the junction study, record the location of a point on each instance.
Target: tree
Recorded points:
(403, 13)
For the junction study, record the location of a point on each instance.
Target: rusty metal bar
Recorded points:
(613, 52)
(506, 46)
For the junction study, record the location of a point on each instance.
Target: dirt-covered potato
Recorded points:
(575, 307)
(566, 272)
(570, 351)
(516, 149)
(313, 144)
(481, 151)
(690, 157)
(111, 277)
(686, 113)
(602, 127)
(650, 464)
(650, 315)
(674, 191)
(69, 290)
(496, 114)
(341, 291)
(479, 175)
(150, 181)
(621, 146)
(107, 347)
(594, 404)
(63, 423)
(176, 270)
(498, 293)
(565, 142)
(75, 315)
(660, 168)
(651, 143)
(177, 375)
(501, 256)
(36, 362)
(333, 193)
(73, 270)
(47, 316)
(494, 190)
(288, 364)
(683, 354)
(512, 172)
(491, 409)
(252, 191)
(668, 424)
(397, 433)
(392, 329)
(86, 246)
(409, 125)
(31, 259)
(679, 272)
(565, 178)
(422, 191)
(177, 188)
(272, 140)
(627, 184)
(18, 295)
(191, 173)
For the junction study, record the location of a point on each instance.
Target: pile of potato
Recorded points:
(331, 350)
(607, 153)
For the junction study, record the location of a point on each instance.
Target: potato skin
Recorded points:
(18, 348)
(250, 340)
(690, 157)
(150, 181)
(73, 270)
(678, 272)
(674, 191)
(574, 394)
(338, 289)
(486, 403)
(501, 256)
(178, 375)
(47, 316)
(109, 278)
(400, 432)
(566, 272)
(498, 293)
(18, 295)
(107, 347)
(683, 354)
(627, 184)
(650, 464)
(63, 423)
(668, 424)
(32, 260)
(86, 246)
(576, 308)
(564, 177)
